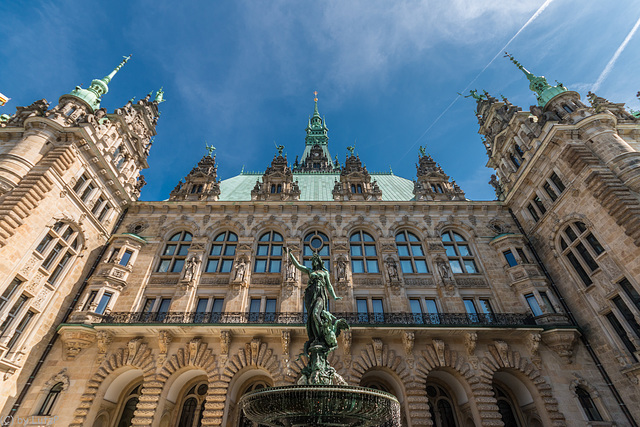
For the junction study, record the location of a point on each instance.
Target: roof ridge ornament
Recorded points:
(210, 149)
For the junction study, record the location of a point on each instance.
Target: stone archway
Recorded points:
(136, 354)
(501, 357)
(438, 356)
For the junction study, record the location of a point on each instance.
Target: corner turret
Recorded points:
(93, 95)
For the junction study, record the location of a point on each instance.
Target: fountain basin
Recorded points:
(321, 405)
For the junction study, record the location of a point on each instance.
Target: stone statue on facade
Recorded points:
(323, 328)
(241, 269)
(342, 270)
(190, 268)
(392, 269)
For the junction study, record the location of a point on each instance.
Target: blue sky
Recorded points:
(241, 74)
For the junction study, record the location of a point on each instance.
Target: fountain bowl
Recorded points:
(321, 405)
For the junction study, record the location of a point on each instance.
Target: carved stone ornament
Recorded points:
(408, 340)
(562, 342)
(133, 346)
(286, 340)
(470, 342)
(225, 341)
(534, 343)
(439, 346)
(74, 341)
(164, 339)
(104, 338)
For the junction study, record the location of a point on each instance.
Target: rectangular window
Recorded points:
(148, 305)
(8, 293)
(98, 204)
(201, 315)
(363, 311)
(595, 245)
(627, 314)
(624, 284)
(87, 192)
(90, 300)
(104, 301)
(557, 182)
(470, 307)
(578, 268)
(622, 334)
(81, 181)
(270, 310)
(416, 310)
(533, 304)
(511, 260)
(522, 255)
(533, 212)
(104, 212)
(552, 194)
(42, 247)
(58, 270)
(254, 310)
(586, 256)
(114, 254)
(22, 326)
(163, 309)
(126, 257)
(13, 313)
(432, 310)
(378, 310)
(547, 302)
(48, 262)
(216, 310)
(539, 204)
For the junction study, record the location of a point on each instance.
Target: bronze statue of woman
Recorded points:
(316, 297)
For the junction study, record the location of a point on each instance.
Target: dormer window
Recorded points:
(516, 162)
(567, 109)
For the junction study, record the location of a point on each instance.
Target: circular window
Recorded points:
(202, 390)
(316, 243)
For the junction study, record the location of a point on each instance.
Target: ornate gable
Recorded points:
(201, 183)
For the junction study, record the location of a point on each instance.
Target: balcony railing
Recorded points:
(354, 319)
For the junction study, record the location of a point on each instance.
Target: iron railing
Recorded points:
(354, 319)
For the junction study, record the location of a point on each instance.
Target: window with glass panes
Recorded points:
(13, 313)
(471, 306)
(222, 253)
(424, 310)
(411, 253)
(364, 257)
(269, 253)
(581, 248)
(588, 406)
(20, 329)
(58, 248)
(9, 292)
(316, 242)
(175, 252)
(458, 250)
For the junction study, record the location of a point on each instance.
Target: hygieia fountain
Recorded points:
(322, 397)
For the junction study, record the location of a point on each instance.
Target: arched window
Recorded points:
(364, 258)
(509, 411)
(58, 247)
(269, 253)
(588, 406)
(129, 408)
(316, 242)
(51, 399)
(175, 252)
(223, 251)
(411, 253)
(193, 406)
(581, 248)
(459, 253)
(441, 406)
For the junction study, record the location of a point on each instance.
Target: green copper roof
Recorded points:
(316, 186)
(544, 91)
(99, 87)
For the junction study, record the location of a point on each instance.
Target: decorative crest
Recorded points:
(423, 151)
(351, 149)
(280, 148)
(160, 96)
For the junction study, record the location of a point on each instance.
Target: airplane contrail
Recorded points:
(614, 58)
(526, 24)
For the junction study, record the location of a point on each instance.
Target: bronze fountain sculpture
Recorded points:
(321, 397)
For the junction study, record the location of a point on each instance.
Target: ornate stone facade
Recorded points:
(520, 311)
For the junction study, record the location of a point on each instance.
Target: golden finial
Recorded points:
(315, 96)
